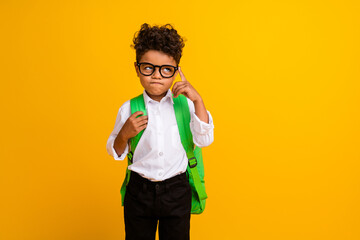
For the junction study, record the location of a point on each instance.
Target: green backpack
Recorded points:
(195, 168)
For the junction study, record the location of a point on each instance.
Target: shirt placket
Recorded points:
(160, 133)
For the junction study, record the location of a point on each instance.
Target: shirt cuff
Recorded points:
(123, 155)
(202, 127)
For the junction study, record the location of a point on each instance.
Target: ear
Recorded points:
(136, 69)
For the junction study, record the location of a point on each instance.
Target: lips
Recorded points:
(156, 83)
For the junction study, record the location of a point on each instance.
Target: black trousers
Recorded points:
(148, 203)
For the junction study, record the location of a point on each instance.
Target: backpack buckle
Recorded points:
(130, 156)
(192, 162)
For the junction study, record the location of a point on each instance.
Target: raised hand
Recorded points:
(185, 88)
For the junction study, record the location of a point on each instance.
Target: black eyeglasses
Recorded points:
(147, 69)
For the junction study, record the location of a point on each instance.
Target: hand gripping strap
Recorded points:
(182, 114)
(136, 104)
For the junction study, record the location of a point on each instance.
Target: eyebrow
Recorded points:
(157, 64)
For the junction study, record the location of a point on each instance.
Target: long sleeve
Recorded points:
(122, 116)
(203, 133)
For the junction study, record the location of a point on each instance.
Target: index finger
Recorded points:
(136, 114)
(182, 75)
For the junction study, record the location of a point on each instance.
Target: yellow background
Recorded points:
(281, 79)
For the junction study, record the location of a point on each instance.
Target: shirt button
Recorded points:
(157, 186)
(160, 173)
(161, 153)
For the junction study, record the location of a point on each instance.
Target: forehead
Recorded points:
(158, 58)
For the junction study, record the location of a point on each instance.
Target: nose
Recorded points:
(156, 73)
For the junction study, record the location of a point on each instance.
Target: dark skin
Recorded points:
(156, 87)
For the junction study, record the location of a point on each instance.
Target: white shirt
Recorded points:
(159, 154)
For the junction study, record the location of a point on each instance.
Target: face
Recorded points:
(155, 85)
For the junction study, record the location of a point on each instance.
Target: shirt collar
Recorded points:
(166, 97)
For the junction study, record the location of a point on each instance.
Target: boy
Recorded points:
(159, 190)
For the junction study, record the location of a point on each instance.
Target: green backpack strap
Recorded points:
(136, 104)
(182, 114)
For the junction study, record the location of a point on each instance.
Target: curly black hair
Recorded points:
(162, 38)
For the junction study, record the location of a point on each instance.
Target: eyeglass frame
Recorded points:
(154, 68)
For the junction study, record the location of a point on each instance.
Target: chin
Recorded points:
(156, 91)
